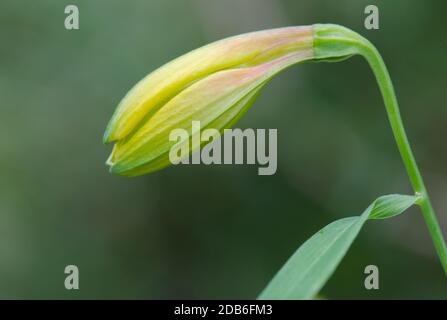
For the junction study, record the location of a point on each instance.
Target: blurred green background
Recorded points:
(211, 231)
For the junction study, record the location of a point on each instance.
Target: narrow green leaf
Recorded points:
(306, 272)
(312, 265)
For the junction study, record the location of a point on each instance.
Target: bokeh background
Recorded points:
(211, 231)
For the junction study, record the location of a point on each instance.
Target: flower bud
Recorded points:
(214, 84)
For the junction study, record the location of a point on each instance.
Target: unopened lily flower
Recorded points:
(215, 85)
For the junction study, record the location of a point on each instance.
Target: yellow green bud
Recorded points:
(214, 85)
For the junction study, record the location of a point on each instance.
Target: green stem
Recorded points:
(392, 107)
(332, 43)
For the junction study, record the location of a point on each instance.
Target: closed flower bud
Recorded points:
(214, 84)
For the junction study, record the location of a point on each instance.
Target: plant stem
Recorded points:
(386, 87)
(334, 43)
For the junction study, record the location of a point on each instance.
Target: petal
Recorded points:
(216, 101)
(250, 49)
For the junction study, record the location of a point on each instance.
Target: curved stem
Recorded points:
(334, 43)
(386, 87)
